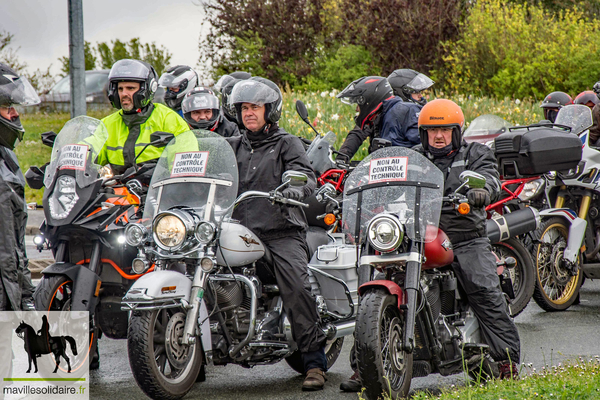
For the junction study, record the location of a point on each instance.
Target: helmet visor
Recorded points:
(349, 95)
(222, 82)
(200, 101)
(128, 70)
(419, 83)
(169, 81)
(253, 92)
(19, 91)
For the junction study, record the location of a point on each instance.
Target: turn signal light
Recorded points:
(464, 208)
(329, 219)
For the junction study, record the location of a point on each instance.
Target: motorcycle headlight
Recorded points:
(205, 232)
(135, 234)
(64, 197)
(169, 231)
(531, 189)
(385, 233)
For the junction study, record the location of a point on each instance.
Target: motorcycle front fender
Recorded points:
(85, 284)
(164, 289)
(391, 287)
(576, 230)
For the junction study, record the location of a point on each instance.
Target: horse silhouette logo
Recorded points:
(40, 343)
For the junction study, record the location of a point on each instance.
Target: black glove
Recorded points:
(342, 159)
(293, 193)
(478, 197)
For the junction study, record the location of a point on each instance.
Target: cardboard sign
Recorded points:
(388, 169)
(192, 163)
(73, 156)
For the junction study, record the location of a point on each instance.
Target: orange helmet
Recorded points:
(441, 113)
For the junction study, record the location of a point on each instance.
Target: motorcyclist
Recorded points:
(178, 81)
(595, 128)
(586, 98)
(131, 88)
(224, 86)
(379, 115)
(440, 126)
(264, 152)
(409, 85)
(201, 110)
(554, 102)
(16, 289)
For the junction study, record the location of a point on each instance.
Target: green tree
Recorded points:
(89, 56)
(108, 54)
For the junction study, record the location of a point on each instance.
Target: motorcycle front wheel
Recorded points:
(522, 275)
(556, 287)
(162, 367)
(384, 368)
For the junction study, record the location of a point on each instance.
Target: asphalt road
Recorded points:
(546, 338)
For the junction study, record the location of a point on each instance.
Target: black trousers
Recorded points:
(290, 259)
(475, 268)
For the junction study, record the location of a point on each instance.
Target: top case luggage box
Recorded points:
(536, 151)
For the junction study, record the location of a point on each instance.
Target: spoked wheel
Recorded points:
(162, 366)
(557, 284)
(55, 293)
(384, 367)
(332, 351)
(522, 275)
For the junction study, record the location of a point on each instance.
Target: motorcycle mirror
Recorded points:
(302, 111)
(35, 177)
(48, 138)
(326, 190)
(379, 143)
(294, 178)
(160, 139)
(472, 179)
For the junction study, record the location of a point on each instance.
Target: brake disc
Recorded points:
(177, 353)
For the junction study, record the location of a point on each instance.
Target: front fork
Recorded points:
(577, 226)
(411, 287)
(198, 286)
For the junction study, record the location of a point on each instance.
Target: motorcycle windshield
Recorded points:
(196, 171)
(76, 148)
(489, 125)
(577, 116)
(398, 181)
(319, 155)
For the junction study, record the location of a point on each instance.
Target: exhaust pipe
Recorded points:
(512, 224)
(340, 329)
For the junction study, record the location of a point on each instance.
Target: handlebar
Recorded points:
(273, 196)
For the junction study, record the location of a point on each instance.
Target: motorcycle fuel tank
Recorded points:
(438, 252)
(239, 246)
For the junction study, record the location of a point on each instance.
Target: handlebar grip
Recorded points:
(296, 203)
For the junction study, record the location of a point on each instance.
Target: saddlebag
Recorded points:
(532, 151)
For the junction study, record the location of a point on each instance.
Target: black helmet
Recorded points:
(554, 102)
(596, 89)
(132, 71)
(226, 106)
(369, 93)
(406, 81)
(201, 98)
(260, 91)
(182, 77)
(13, 90)
(226, 79)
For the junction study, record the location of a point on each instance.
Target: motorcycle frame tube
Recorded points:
(577, 228)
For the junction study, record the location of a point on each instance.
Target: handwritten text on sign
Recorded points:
(388, 169)
(192, 163)
(73, 156)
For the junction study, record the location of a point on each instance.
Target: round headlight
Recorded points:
(385, 233)
(207, 264)
(135, 234)
(205, 232)
(169, 231)
(139, 265)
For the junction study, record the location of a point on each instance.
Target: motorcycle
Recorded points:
(412, 319)
(568, 241)
(212, 298)
(85, 218)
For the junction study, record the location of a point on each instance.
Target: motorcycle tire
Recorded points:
(332, 352)
(54, 293)
(555, 289)
(384, 369)
(522, 275)
(150, 360)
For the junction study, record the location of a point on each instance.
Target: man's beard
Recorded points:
(128, 107)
